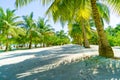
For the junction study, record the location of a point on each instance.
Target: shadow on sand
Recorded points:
(38, 68)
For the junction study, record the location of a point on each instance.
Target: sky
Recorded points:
(39, 11)
(36, 7)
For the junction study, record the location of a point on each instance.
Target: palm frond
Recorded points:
(20, 3)
(104, 11)
(114, 5)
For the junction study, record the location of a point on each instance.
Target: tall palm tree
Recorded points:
(104, 47)
(78, 35)
(45, 29)
(9, 27)
(31, 28)
(75, 33)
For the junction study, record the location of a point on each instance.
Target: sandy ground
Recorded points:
(68, 62)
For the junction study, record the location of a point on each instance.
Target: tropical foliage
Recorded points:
(27, 33)
(113, 35)
(8, 27)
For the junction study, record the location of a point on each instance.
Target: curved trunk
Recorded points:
(105, 49)
(85, 40)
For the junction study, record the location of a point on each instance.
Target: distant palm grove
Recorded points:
(85, 20)
(27, 33)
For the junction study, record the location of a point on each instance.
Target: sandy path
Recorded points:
(48, 63)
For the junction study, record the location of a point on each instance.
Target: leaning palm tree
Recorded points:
(9, 27)
(104, 47)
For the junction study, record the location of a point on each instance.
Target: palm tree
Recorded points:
(104, 47)
(75, 33)
(62, 38)
(45, 30)
(9, 27)
(21, 40)
(85, 27)
(31, 28)
(78, 35)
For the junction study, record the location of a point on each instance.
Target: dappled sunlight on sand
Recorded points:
(68, 62)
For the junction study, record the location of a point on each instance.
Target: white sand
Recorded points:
(68, 62)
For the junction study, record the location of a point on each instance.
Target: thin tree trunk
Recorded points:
(17, 46)
(43, 44)
(105, 49)
(30, 44)
(85, 40)
(7, 44)
(7, 47)
(35, 45)
(80, 41)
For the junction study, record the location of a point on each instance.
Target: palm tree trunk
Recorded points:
(30, 44)
(105, 49)
(80, 41)
(85, 40)
(7, 47)
(36, 45)
(7, 44)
